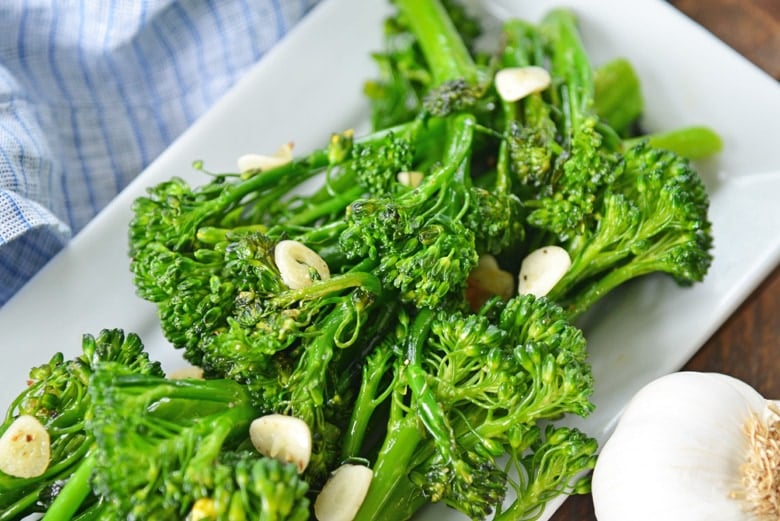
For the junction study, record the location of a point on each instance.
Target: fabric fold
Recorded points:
(92, 92)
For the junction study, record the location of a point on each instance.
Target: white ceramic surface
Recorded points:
(649, 328)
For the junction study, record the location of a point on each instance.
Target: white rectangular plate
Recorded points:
(310, 86)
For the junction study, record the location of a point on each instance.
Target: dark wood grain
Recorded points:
(747, 344)
(752, 27)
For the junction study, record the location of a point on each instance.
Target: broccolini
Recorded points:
(166, 448)
(349, 305)
(57, 395)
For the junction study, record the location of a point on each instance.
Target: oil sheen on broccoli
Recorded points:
(387, 354)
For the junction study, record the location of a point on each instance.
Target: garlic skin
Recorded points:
(678, 450)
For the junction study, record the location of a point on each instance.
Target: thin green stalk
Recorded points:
(351, 279)
(570, 62)
(21, 504)
(73, 494)
(338, 202)
(447, 55)
(426, 403)
(392, 496)
(369, 397)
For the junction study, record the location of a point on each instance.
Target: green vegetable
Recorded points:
(620, 209)
(617, 95)
(619, 103)
(335, 289)
(466, 390)
(165, 447)
(693, 143)
(398, 94)
(57, 395)
(202, 255)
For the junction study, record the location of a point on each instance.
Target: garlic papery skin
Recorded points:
(679, 452)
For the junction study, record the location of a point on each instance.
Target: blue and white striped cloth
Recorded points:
(92, 90)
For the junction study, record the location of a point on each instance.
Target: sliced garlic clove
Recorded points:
(515, 83)
(343, 493)
(260, 162)
(186, 372)
(541, 270)
(488, 280)
(25, 448)
(295, 261)
(411, 179)
(282, 437)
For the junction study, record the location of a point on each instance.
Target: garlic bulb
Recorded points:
(692, 446)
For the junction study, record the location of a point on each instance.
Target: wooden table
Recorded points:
(748, 344)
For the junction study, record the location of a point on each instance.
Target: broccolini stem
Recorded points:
(447, 55)
(20, 505)
(321, 233)
(515, 54)
(459, 140)
(611, 279)
(352, 279)
(392, 496)
(571, 63)
(94, 513)
(311, 383)
(338, 202)
(556, 467)
(429, 410)
(368, 399)
(73, 494)
(214, 392)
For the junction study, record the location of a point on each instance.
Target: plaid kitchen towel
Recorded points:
(91, 91)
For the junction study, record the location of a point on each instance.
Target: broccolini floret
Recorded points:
(466, 390)
(207, 257)
(57, 395)
(168, 447)
(419, 238)
(621, 209)
(383, 354)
